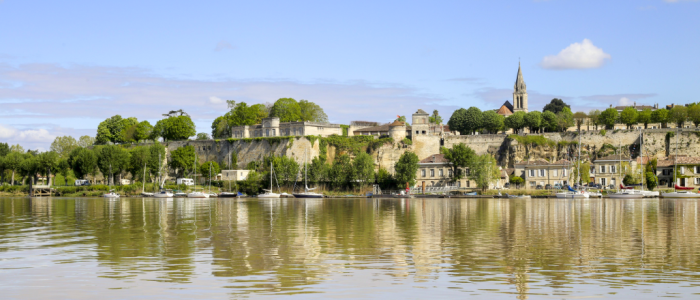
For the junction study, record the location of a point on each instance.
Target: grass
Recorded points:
(534, 140)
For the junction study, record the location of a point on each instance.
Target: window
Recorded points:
(542, 173)
(555, 172)
(467, 183)
(459, 184)
(417, 132)
(532, 173)
(592, 170)
(697, 181)
(682, 170)
(432, 172)
(422, 173)
(697, 169)
(449, 172)
(532, 184)
(466, 172)
(612, 181)
(440, 173)
(602, 181)
(563, 172)
(602, 169)
(613, 169)
(666, 172)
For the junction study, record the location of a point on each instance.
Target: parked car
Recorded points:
(548, 186)
(539, 187)
(558, 186)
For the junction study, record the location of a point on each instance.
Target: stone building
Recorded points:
(687, 168)
(609, 171)
(519, 92)
(436, 171)
(539, 173)
(272, 127)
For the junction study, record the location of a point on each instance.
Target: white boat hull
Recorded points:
(308, 195)
(111, 195)
(571, 195)
(164, 195)
(626, 196)
(197, 195)
(269, 195)
(680, 195)
(147, 194)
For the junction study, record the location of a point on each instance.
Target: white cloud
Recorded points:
(582, 55)
(624, 101)
(29, 138)
(224, 45)
(215, 100)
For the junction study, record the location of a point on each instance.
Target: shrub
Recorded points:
(602, 132)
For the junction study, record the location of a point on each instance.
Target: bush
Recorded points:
(602, 132)
(407, 141)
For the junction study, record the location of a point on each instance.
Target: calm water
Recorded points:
(348, 248)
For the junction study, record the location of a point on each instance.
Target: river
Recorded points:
(88, 248)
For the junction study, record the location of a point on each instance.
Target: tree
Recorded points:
(143, 131)
(629, 180)
(128, 132)
(579, 118)
(4, 149)
(220, 128)
(678, 114)
(86, 141)
(651, 180)
(182, 159)
(363, 169)
(156, 154)
(309, 111)
(385, 180)
(515, 121)
(286, 169)
(112, 159)
(63, 145)
(694, 114)
(594, 116)
(83, 162)
(287, 109)
(340, 173)
(644, 117)
(517, 181)
(483, 170)
(549, 121)
(109, 130)
(565, 119)
(581, 171)
(47, 162)
(628, 116)
(13, 162)
(400, 118)
(474, 119)
(203, 136)
(555, 106)
(406, 168)
(457, 121)
(63, 168)
(174, 128)
(460, 156)
(204, 169)
(17, 148)
(138, 160)
(318, 170)
(435, 118)
(533, 120)
(660, 116)
(492, 121)
(608, 118)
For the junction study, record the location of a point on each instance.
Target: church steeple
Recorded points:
(520, 92)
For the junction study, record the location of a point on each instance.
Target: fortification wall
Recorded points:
(479, 143)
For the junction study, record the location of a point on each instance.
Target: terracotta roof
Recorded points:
(506, 109)
(681, 160)
(397, 123)
(420, 112)
(614, 157)
(435, 158)
(510, 171)
(643, 160)
(446, 128)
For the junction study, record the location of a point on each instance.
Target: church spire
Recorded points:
(520, 82)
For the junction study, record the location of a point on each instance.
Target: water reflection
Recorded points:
(511, 248)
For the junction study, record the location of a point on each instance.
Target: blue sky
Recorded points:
(67, 65)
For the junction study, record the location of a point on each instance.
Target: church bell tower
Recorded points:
(519, 93)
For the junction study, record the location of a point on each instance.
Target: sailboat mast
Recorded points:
(143, 189)
(619, 158)
(674, 160)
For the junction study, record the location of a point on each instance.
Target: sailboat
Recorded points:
(228, 194)
(143, 188)
(195, 193)
(210, 193)
(269, 193)
(111, 193)
(679, 191)
(570, 192)
(307, 191)
(621, 192)
(163, 193)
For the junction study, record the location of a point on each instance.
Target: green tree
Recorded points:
(406, 169)
(582, 173)
(628, 116)
(181, 160)
(4, 149)
(533, 120)
(594, 116)
(204, 169)
(549, 121)
(385, 180)
(287, 169)
(435, 118)
(694, 114)
(474, 120)
(287, 109)
(62, 169)
(17, 148)
(515, 121)
(109, 130)
(493, 122)
(309, 111)
(580, 117)
(143, 131)
(678, 114)
(565, 119)
(516, 180)
(86, 141)
(138, 159)
(400, 118)
(203, 136)
(128, 131)
(63, 145)
(660, 116)
(483, 170)
(220, 128)
(651, 180)
(644, 117)
(111, 160)
(460, 156)
(458, 120)
(340, 173)
(83, 162)
(13, 162)
(318, 170)
(363, 169)
(555, 106)
(174, 128)
(156, 155)
(47, 162)
(608, 118)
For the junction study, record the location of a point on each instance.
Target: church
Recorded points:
(519, 97)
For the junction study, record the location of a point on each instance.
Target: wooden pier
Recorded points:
(40, 191)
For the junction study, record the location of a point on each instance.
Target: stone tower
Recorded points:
(519, 93)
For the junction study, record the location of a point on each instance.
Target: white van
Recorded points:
(185, 181)
(79, 182)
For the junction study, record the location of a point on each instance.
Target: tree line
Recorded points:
(556, 116)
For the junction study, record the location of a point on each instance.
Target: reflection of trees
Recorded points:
(285, 246)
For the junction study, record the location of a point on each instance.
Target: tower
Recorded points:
(520, 93)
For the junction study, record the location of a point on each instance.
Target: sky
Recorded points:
(65, 66)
